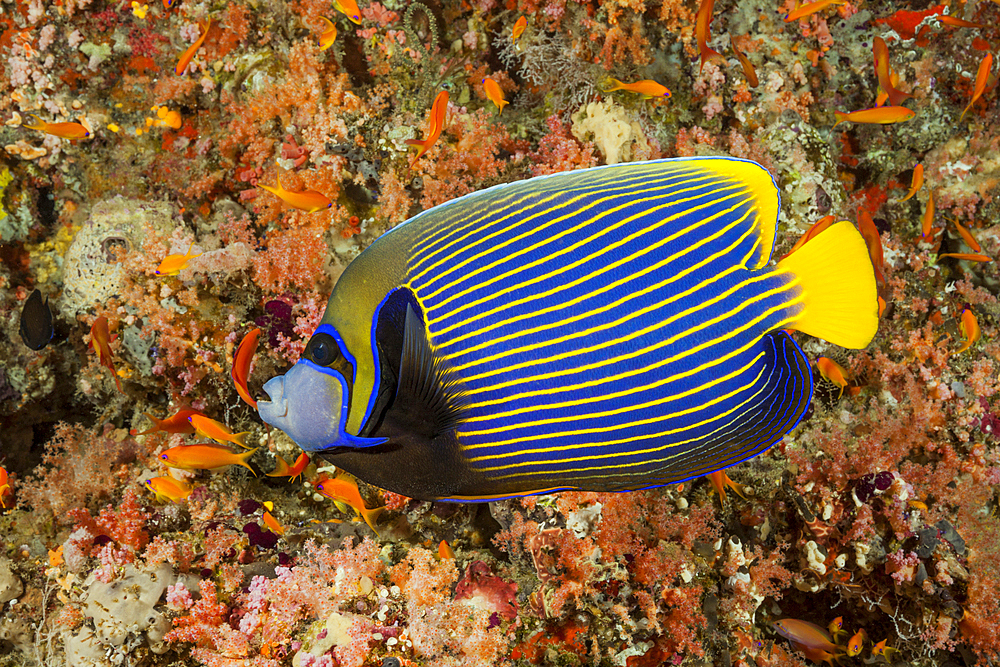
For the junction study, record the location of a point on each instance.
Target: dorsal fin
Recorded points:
(425, 382)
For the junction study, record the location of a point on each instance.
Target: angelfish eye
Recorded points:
(322, 349)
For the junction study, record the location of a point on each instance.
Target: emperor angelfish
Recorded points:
(608, 329)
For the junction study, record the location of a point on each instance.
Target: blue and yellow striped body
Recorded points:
(608, 329)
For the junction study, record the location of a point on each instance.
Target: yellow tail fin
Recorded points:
(835, 273)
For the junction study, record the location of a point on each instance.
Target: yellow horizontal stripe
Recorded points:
(531, 201)
(627, 317)
(642, 351)
(606, 268)
(591, 456)
(599, 212)
(703, 387)
(467, 217)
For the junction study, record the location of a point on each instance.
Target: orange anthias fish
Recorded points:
(174, 264)
(720, 480)
(967, 236)
(970, 329)
(519, 25)
(836, 627)
(241, 366)
(282, 469)
(177, 423)
(805, 633)
(5, 491)
(981, 76)
(168, 488)
(881, 53)
(71, 131)
(445, 550)
(329, 36)
(702, 25)
(439, 111)
(856, 643)
(348, 8)
(188, 54)
(205, 457)
(883, 650)
(748, 70)
(969, 257)
(309, 201)
(927, 221)
(494, 94)
(877, 115)
(916, 183)
(816, 228)
(207, 427)
(874, 242)
(647, 88)
(343, 489)
(832, 372)
(956, 22)
(803, 11)
(272, 524)
(100, 342)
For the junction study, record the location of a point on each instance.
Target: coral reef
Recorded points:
(880, 509)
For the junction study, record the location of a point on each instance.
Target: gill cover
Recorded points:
(310, 402)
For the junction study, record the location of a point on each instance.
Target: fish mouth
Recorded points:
(277, 406)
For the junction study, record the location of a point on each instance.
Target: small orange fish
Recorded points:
(207, 427)
(927, 221)
(874, 242)
(702, 25)
(803, 11)
(881, 306)
(174, 264)
(836, 627)
(309, 201)
(969, 257)
(205, 457)
(177, 423)
(71, 131)
(967, 236)
(970, 329)
(445, 550)
(494, 94)
(167, 4)
(883, 650)
(329, 36)
(812, 232)
(272, 524)
(881, 53)
(832, 372)
(343, 489)
(856, 643)
(748, 70)
(188, 54)
(519, 25)
(240, 371)
(5, 490)
(647, 88)
(916, 183)
(877, 115)
(720, 480)
(282, 469)
(956, 22)
(348, 8)
(168, 488)
(439, 111)
(981, 76)
(805, 633)
(100, 342)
